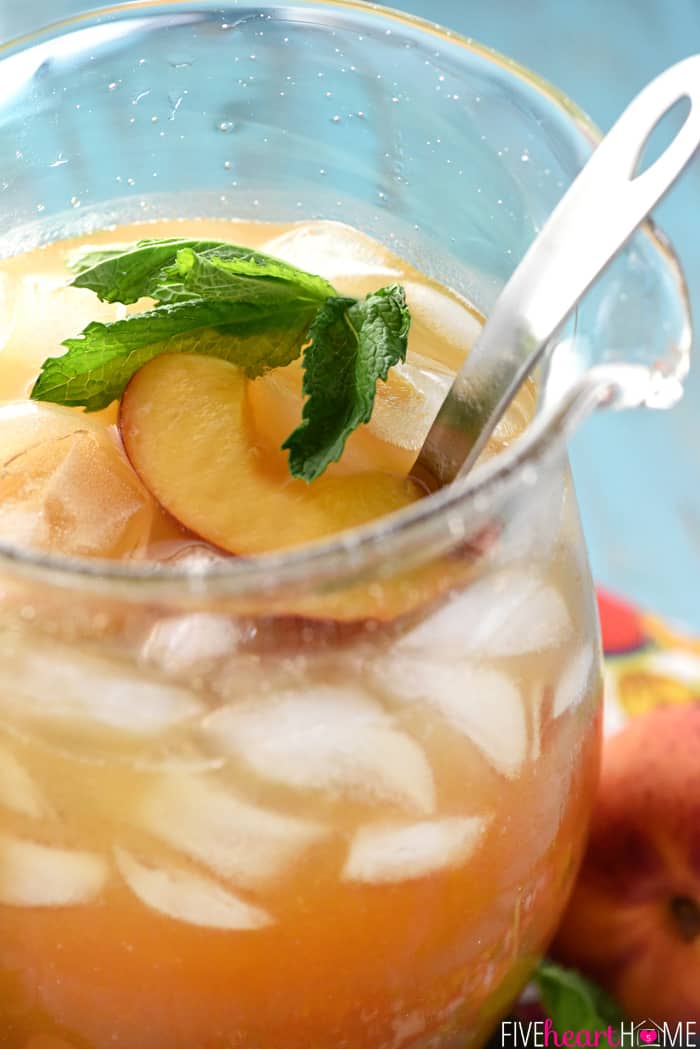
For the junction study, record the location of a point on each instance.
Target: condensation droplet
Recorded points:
(225, 126)
(75, 202)
(336, 119)
(228, 165)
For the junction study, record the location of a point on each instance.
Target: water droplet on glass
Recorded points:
(154, 119)
(525, 157)
(336, 119)
(228, 165)
(225, 126)
(328, 94)
(75, 202)
(113, 86)
(131, 181)
(41, 207)
(58, 162)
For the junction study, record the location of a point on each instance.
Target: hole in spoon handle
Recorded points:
(605, 204)
(625, 142)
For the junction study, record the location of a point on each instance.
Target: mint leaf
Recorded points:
(133, 274)
(573, 1002)
(172, 270)
(248, 278)
(100, 361)
(353, 344)
(83, 259)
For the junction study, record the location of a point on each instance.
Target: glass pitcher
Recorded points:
(334, 798)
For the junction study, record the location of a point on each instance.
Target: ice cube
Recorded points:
(532, 531)
(326, 738)
(71, 492)
(54, 681)
(41, 310)
(393, 852)
(33, 875)
(240, 841)
(445, 315)
(480, 703)
(344, 256)
(505, 613)
(188, 897)
(24, 424)
(408, 402)
(575, 681)
(18, 791)
(180, 643)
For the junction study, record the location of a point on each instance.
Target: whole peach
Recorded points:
(633, 922)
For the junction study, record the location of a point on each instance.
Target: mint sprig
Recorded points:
(574, 1003)
(258, 312)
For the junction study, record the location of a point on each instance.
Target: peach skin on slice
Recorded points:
(188, 431)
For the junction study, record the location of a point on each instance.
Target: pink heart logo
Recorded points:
(648, 1035)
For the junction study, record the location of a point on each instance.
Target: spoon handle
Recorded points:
(592, 222)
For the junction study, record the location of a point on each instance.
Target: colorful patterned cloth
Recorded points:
(647, 663)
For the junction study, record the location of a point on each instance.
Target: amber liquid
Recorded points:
(183, 868)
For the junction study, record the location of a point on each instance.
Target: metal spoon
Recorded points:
(590, 225)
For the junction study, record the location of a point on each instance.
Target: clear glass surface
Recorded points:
(334, 798)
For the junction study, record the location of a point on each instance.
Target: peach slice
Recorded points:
(188, 431)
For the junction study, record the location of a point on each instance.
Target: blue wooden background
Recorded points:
(638, 474)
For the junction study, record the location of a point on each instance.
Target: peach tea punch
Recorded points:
(293, 753)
